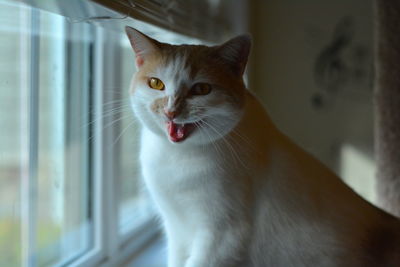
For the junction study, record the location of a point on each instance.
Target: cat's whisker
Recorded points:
(98, 117)
(114, 90)
(123, 131)
(234, 153)
(122, 99)
(230, 136)
(117, 120)
(116, 109)
(220, 127)
(233, 131)
(234, 143)
(214, 144)
(109, 106)
(116, 103)
(113, 123)
(93, 112)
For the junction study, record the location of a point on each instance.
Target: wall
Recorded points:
(312, 67)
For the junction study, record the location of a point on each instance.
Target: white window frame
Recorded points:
(110, 249)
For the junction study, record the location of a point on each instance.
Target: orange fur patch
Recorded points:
(158, 105)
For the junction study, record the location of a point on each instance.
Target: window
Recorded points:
(70, 188)
(44, 167)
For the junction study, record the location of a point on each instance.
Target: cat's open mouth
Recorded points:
(179, 131)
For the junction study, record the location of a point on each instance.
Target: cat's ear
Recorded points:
(236, 52)
(142, 44)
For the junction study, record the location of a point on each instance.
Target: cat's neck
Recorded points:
(255, 127)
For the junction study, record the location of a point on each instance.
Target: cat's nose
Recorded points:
(170, 114)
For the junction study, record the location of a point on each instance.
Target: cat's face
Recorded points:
(188, 94)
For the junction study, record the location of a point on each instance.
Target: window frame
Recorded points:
(110, 248)
(30, 179)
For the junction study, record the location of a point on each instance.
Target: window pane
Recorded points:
(13, 132)
(63, 194)
(45, 217)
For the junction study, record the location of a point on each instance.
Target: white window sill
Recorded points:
(153, 255)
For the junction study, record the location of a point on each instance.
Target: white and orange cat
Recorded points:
(232, 190)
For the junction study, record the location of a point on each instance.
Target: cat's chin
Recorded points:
(178, 132)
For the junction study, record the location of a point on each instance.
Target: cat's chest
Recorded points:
(172, 168)
(169, 166)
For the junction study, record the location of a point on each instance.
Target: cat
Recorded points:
(231, 189)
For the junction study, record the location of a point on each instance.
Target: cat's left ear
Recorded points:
(142, 44)
(236, 52)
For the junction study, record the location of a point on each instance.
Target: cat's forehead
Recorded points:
(184, 62)
(175, 68)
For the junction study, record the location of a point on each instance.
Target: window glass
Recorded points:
(13, 134)
(45, 218)
(63, 218)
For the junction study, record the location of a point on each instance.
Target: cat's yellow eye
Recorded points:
(200, 89)
(156, 84)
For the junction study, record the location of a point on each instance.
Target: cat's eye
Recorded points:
(156, 84)
(200, 89)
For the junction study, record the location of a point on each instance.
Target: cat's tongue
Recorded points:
(177, 132)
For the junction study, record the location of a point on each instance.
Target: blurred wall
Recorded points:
(311, 65)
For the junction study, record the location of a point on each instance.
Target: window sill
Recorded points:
(153, 255)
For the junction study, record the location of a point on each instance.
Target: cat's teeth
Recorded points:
(178, 131)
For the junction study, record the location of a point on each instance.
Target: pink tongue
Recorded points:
(177, 132)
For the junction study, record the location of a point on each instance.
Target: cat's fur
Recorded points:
(236, 191)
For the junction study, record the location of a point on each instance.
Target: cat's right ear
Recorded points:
(142, 44)
(235, 52)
